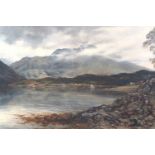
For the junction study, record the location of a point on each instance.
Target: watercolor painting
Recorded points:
(77, 77)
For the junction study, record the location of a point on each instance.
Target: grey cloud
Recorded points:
(115, 56)
(74, 30)
(30, 35)
(70, 51)
(35, 35)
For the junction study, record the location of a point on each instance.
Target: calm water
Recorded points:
(30, 101)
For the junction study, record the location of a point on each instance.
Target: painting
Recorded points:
(77, 77)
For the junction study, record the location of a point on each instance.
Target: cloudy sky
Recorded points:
(120, 43)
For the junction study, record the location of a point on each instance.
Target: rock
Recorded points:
(134, 110)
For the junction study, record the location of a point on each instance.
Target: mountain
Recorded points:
(7, 75)
(6, 61)
(54, 66)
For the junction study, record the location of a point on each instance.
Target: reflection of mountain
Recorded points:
(54, 66)
(7, 75)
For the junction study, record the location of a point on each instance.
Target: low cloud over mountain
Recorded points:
(58, 66)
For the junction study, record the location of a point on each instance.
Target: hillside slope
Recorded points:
(7, 75)
(51, 66)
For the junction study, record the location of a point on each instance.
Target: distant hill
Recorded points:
(53, 66)
(110, 80)
(7, 75)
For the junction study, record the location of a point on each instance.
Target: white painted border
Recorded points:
(77, 12)
(77, 142)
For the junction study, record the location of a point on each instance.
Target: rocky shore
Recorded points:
(135, 110)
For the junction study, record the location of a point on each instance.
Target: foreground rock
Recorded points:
(134, 110)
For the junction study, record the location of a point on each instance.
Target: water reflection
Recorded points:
(29, 101)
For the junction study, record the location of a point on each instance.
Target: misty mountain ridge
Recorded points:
(55, 66)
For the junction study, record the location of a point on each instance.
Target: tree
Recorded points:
(150, 43)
